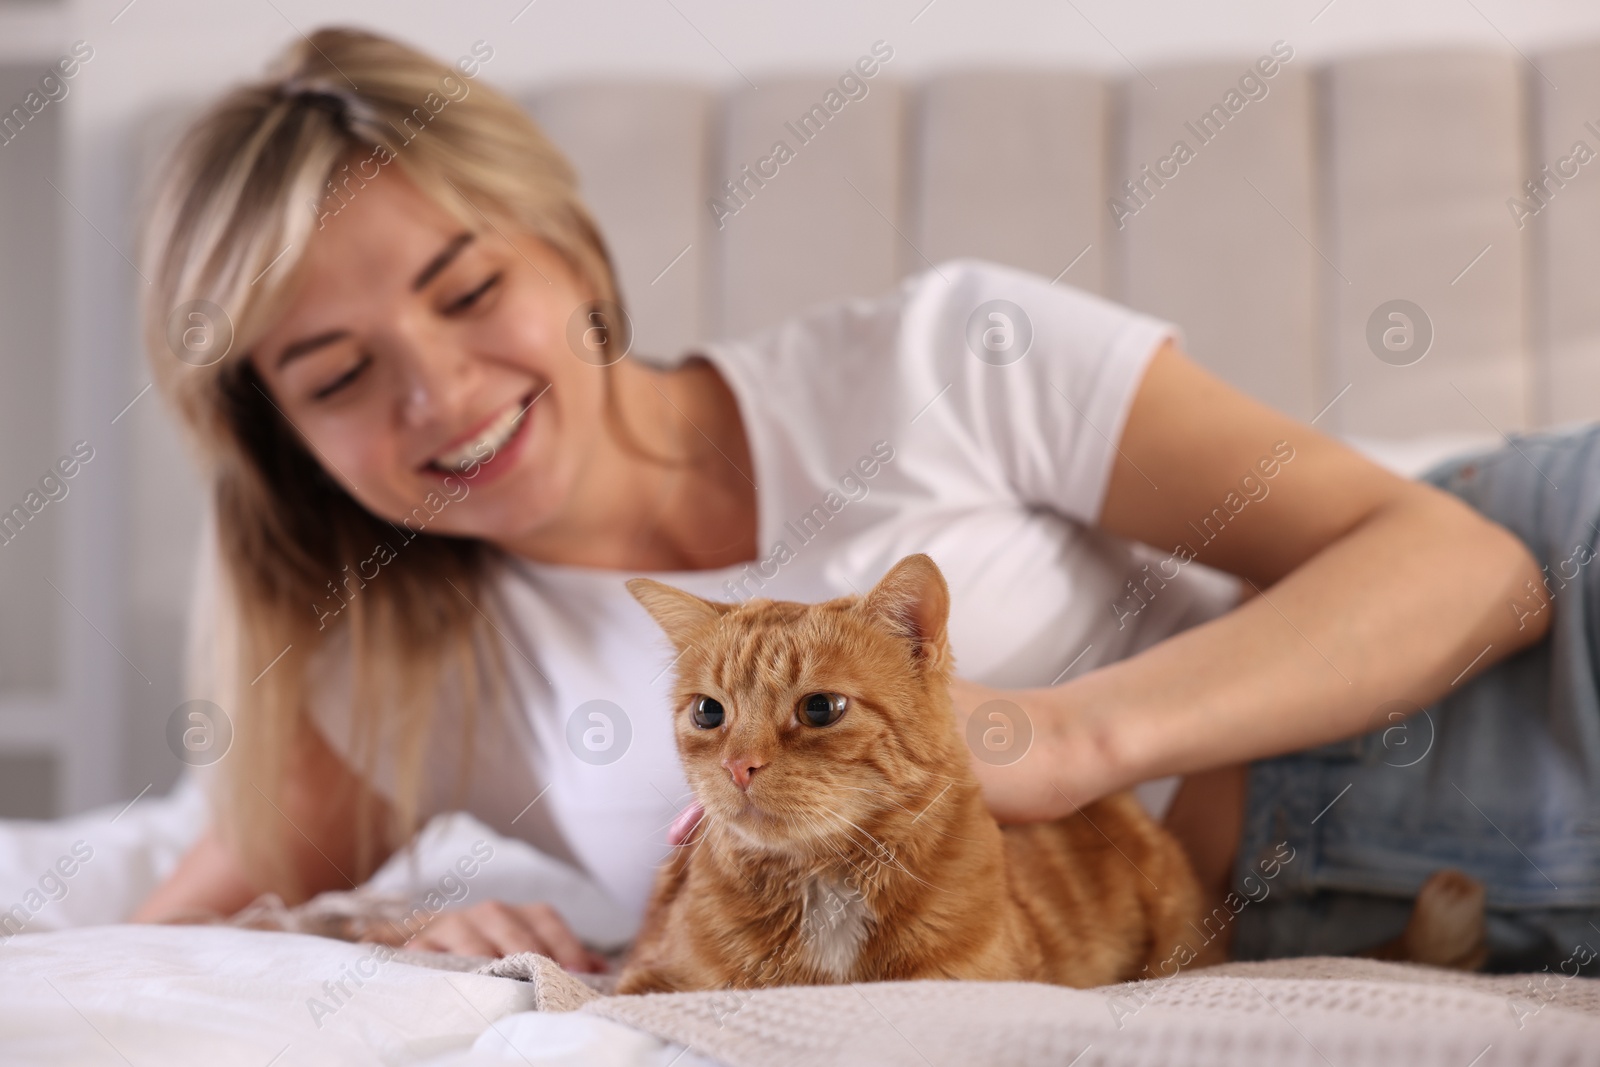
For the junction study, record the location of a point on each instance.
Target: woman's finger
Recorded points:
(453, 934)
(508, 928)
(564, 946)
(497, 929)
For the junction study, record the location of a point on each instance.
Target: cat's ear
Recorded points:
(678, 613)
(914, 600)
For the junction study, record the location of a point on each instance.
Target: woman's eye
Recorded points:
(822, 709)
(462, 303)
(343, 380)
(707, 713)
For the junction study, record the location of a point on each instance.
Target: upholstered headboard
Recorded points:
(1333, 191)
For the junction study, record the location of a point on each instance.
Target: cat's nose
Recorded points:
(742, 769)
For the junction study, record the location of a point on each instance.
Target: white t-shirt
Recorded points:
(875, 431)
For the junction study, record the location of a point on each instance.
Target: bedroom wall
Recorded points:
(95, 606)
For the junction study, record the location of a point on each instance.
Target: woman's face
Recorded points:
(428, 370)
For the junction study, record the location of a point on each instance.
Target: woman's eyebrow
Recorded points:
(441, 261)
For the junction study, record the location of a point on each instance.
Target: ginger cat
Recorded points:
(843, 835)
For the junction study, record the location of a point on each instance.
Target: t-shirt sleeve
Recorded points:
(1041, 375)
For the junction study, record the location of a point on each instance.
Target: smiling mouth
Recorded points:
(482, 448)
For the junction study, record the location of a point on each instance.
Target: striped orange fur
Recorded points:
(860, 849)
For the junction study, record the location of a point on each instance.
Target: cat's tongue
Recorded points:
(685, 823)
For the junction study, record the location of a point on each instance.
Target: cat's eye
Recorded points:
(821, 709)
(707, 713)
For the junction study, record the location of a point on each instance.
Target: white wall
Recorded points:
(160, 48)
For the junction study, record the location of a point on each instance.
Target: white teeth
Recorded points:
(482, 448)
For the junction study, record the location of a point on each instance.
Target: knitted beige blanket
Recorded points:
(1317, 1012)
(1320, 1012)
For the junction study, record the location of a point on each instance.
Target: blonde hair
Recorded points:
(249, 184)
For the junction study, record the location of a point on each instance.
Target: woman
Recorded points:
(433, 469)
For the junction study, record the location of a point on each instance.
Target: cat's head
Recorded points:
(795, 720)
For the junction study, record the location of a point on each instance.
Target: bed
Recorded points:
(79, 988)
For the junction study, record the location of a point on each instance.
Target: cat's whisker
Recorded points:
(918, 812)
(876, 792)
(854, 856)
(699, 830)
(950, 778)
(821, 835)
(664, 826)
(881, 846)
(886, 856)
(892, 861)
(818, 831)
(837, 851)
(690, 841)
(932, 827)
(850, 828)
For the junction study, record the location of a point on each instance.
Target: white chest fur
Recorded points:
(833, 926)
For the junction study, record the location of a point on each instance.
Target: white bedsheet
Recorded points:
(129, 852)
(73, 990)
(175, 996)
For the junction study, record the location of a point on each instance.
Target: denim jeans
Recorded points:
(1500, 778)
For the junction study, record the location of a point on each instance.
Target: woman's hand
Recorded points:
(495, 928)
(1036, 756)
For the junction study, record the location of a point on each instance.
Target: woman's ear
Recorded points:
(915, 601)
(678, 613)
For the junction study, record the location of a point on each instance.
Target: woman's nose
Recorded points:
(435, 378)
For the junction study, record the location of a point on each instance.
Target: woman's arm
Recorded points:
(318, 835)
(207, 883)
(319, 808)
(1371, 588)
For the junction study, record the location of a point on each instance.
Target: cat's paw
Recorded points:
(1447, 927)
(643, 980)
